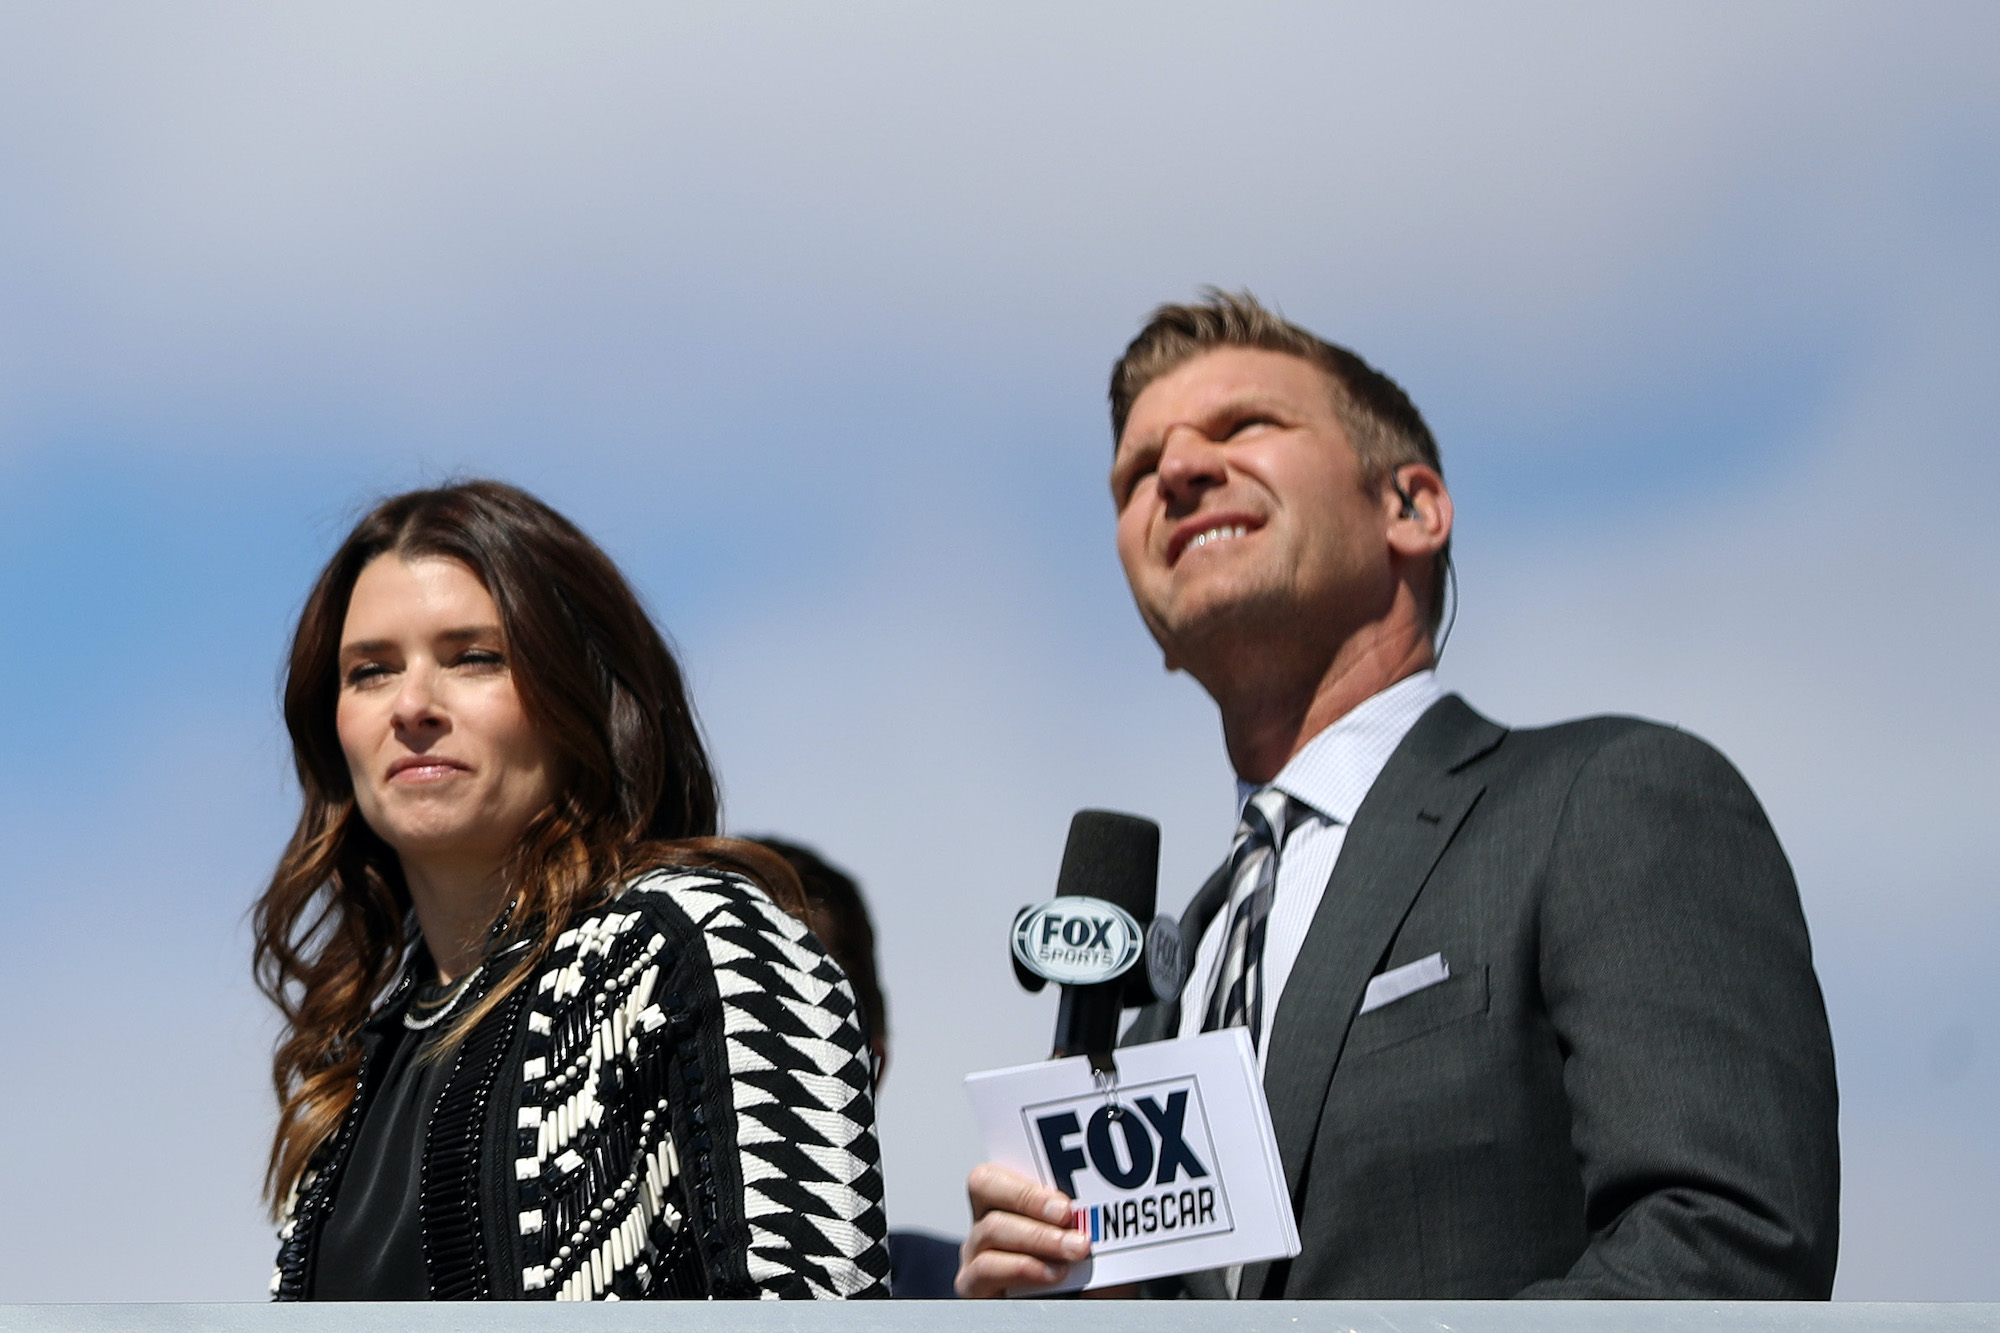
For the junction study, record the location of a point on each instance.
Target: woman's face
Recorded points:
(447, 768)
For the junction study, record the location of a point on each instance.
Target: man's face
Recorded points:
(1243, 519)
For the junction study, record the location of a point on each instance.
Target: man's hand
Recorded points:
(1021, 1234)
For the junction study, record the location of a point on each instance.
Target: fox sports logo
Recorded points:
(1077, 941)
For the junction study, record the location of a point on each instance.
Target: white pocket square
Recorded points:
(1408, 979)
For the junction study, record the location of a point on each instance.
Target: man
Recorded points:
(1536, 1009)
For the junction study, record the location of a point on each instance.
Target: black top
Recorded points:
(373, 1246)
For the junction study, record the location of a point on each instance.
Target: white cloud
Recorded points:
(420, 214)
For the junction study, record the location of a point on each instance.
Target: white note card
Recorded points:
(1175, 1170)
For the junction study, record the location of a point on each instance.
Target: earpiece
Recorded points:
(1409, 509)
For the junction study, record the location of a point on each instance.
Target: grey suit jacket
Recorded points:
(1625, 1088)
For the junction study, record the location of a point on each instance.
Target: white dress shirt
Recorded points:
(1330, 776)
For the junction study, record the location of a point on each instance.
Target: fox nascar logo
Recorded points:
(1142, 1172)
(1077, 941)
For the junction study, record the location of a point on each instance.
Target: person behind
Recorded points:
(546, 1037)
(922, 1266)
(1535, 1008)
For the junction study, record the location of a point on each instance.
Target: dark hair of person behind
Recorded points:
(1381, 422)
(636, 790)
(839, 917)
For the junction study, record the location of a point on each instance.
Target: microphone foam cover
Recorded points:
(1114, 857)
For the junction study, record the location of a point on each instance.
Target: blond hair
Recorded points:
(1381, 422)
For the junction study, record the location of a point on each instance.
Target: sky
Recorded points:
(805, 313)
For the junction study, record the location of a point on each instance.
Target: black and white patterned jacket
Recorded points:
(678, 1105)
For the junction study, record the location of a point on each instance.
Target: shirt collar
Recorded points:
(1334, 771)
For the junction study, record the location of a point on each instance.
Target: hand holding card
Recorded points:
(1173, 1167)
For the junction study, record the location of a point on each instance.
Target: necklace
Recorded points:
(435, 1011)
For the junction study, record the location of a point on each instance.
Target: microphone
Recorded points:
(1090, 939)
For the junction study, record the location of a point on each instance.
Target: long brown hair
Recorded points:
(596, 679)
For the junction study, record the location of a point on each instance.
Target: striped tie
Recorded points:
(1237, 997)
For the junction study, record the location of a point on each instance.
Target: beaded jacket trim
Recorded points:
(634, 1174)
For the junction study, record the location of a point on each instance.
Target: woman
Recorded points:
(546, 1036)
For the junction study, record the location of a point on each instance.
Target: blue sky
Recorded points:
(805, 314)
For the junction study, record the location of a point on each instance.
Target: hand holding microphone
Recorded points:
(1089, 939)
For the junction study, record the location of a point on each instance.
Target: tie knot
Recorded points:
(1267, 816)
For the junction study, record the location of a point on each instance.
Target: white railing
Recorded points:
(1021, 1317)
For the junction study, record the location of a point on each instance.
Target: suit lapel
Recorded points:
(1404, 825)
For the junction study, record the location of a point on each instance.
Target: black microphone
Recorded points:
(1098, 937)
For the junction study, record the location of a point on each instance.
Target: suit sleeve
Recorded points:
(1699, 1070)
